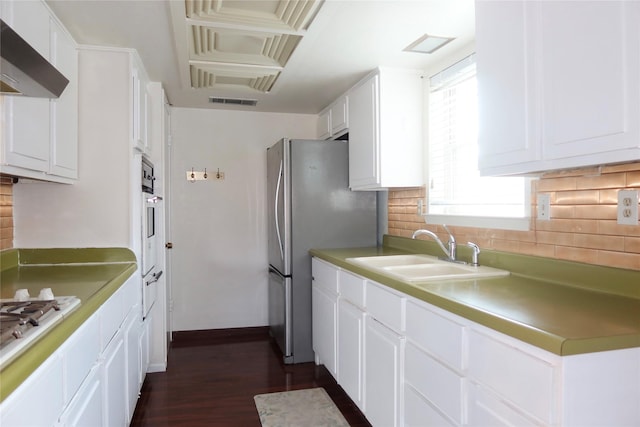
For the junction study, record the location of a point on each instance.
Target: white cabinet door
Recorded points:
(85, 410)
(545, 103)
(132, 351)
(139, 108)
(114, 383)
(324, 313)
(43, 389)
(351, 350)
(145, 345)
(507, 100)
(364, 142)
(384, 354)
(40, 135)
(588, 107)
(385, 130)
(64, 110)
(340, 115)
(324, 125)
(25, 131)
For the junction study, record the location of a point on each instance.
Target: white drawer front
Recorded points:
(352, 288)
(80, 355)
(111, 315)
(440, 385)
(385, 306)
(325, 276)
(521, 378)
(487, 409)
(436, 334)
(419, 413)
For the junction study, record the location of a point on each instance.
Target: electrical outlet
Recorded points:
(628, 207)
(420, 207)
(544, 207)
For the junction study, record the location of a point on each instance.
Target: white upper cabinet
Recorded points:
(339, 116)
(333, 121)
(39, 136)
(139, 107)
(558, 84)
(64, 110)
(385, 130)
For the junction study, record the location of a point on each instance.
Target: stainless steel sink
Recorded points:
(425, 268)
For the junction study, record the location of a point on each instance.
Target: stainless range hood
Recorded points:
(23, 71)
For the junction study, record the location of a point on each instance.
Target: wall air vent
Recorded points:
(233, 101)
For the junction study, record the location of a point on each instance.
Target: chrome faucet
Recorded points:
(449, 250)
(474, 256)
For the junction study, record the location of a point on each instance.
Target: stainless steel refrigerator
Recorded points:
(309, 206)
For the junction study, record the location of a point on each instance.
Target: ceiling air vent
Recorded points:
(233, 101)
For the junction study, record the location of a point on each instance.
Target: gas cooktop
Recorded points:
(23, 320)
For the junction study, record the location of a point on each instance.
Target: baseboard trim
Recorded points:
(219, 336)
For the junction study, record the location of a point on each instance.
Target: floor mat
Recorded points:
(308, 407)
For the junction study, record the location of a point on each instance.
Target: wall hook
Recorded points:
(205, 173)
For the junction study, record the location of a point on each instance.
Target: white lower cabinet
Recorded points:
(351, 350)
(383, 362)
(488, 409)
(324, 332)
(133, 359)
(41, 388)
(442, 389)
(93, 378)
(86, 408)
(114, 383)
(404, 361)
(324, 291)
(144, 345)
(418, 411)
(496, 365)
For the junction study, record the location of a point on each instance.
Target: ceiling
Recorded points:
(289, 56)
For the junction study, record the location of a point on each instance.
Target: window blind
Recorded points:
(455, 185)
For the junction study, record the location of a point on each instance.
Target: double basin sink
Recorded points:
(425, 268)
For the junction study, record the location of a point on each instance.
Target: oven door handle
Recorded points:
(154, 199)
(156, 277)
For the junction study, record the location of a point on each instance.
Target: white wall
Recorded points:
(97, 210)
(219, 256)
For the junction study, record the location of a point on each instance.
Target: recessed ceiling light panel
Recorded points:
(428, 44)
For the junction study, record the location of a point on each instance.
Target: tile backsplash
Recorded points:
(583, 225)
(6, 213)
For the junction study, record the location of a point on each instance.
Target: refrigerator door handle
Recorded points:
(277, 195)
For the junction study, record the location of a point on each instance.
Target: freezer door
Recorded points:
(280, 311)
(278, 206)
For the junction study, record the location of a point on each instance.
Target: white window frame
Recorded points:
(505, 223)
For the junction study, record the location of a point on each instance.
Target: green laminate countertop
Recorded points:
(91, 274)
(563, 307)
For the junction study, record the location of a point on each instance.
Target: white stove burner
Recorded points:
(12, 348)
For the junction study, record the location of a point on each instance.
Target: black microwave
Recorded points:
(147, 176)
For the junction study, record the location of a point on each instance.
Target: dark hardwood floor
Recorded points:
(212, 376)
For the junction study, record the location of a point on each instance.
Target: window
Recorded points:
(456, 192)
